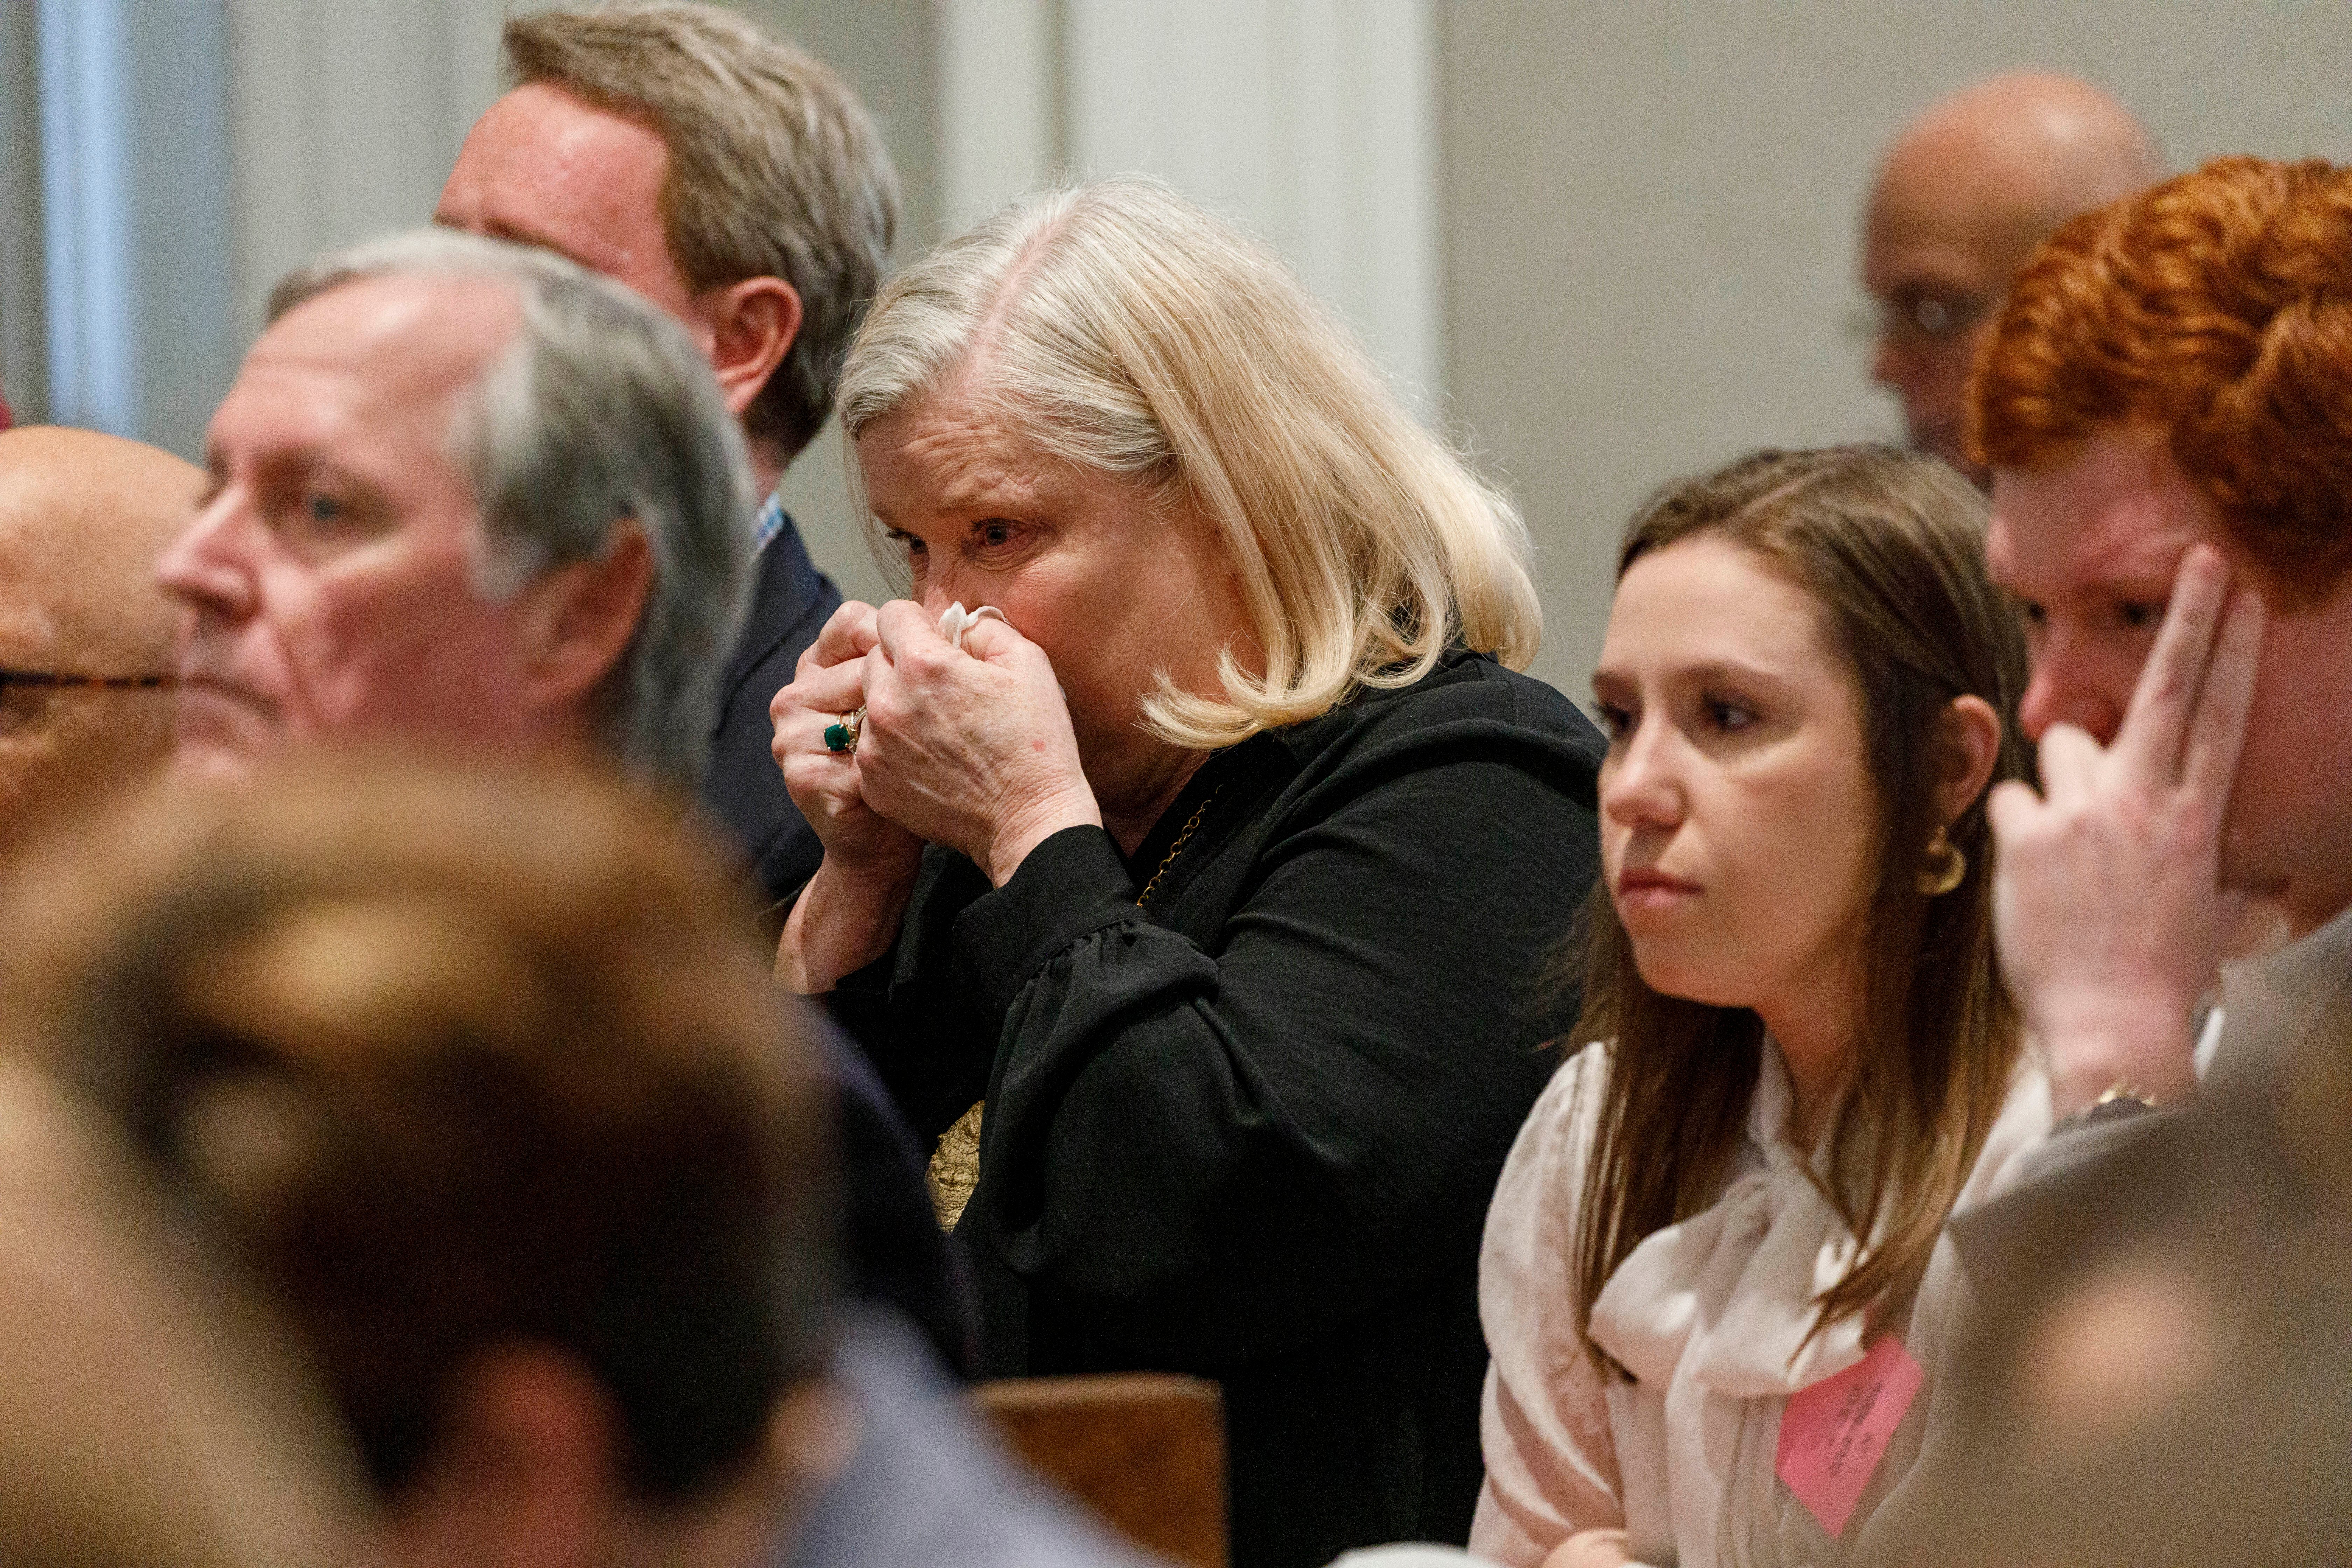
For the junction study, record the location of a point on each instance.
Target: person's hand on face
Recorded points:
(971, 747)
(2107, 895)
(861, 845)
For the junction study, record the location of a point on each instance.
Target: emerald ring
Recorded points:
(841, 735)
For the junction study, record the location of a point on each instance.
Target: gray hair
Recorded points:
(603, 409)
(775, 171)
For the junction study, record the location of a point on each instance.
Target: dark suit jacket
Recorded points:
(896, 1251)
(893, 1248)
(742, 791)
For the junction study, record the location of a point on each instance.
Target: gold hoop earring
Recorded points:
(1945, 867)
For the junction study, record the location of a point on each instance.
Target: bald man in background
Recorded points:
(85, 632)
(1964, 197)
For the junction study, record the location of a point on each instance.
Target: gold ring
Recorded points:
(841, 736)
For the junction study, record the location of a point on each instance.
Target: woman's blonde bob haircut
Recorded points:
(1123, 330)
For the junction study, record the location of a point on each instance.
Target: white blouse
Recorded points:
(1712, 1316)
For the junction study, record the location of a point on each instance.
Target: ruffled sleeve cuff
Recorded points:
(1069, 886)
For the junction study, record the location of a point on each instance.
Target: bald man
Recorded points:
(1962, 199)
(85, 632)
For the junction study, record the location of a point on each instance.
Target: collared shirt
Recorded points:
(768, 521)
(790, 602)
(2270, 1002)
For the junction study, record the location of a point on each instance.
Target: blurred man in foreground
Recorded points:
(481, 1075)
(741, 187)
(149, 1417)
(2161, 1367)
(468, 496)
(1964, 196)
(85, 635)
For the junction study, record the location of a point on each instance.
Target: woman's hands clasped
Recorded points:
(829, 685)
(969, 747)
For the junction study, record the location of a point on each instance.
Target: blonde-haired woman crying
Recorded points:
(1713, 1279)
(1217, 865)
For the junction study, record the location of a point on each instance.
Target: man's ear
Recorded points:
(752, 325)
(1971, 740)
(575, 621)
(525, 1471)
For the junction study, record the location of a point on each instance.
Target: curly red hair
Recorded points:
(2215, 309)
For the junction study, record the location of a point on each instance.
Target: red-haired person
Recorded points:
(2166, 403)
(2157, 1367)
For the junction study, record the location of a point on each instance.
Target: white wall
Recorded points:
(1649, 214)
(1313, 122)
(347, 116)
(1623, 250)
(1316, 120)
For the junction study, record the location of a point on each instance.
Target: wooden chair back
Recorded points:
(1146, 1450)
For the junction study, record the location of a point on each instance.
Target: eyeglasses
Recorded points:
(54, 679)
(1920, 320)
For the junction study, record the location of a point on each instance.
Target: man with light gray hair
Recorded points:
(464, 493)
(739, 186)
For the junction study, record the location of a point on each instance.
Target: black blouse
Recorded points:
(1250, 1133)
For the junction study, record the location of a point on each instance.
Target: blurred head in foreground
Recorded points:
(1963, 196)
(463, 492)
(2163, 1375)
(480, 1079)
(2174, 369)
(84, 634)
(146, 1418)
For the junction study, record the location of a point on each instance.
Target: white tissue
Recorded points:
(956, 620)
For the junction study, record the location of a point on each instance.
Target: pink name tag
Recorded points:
(1832, 1432)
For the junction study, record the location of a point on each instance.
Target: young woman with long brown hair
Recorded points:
(1713, 1283)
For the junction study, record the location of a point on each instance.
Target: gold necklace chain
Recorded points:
(955, 1162)
(1175, 849)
